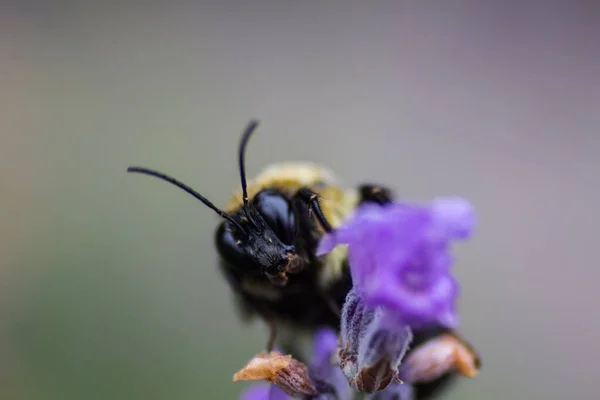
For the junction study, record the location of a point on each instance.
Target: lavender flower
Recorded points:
(394, 392)
(324, 370)
(263, 391)
(399, 257)
(373, 345)
(400, 265)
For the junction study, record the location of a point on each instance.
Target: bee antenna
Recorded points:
(189, 190)
(250, 128)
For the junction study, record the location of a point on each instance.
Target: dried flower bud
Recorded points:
(263, 366)
(375, 377)
(289, 374)
(438, 356)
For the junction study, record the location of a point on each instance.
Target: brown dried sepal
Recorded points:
(289, 374)
(263, 366)
(375, 378)
(439, 356)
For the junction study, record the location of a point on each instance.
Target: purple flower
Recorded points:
(400, 260)
(373, 345)
(324, 370)
(263, 391)
(394, 392)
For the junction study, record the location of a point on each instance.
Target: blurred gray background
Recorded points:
(108, 281)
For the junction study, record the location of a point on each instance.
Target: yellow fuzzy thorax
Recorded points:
(290, 177)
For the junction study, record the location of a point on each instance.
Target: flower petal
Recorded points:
(325, 345)
(277, 393)
(395, 391)
(455, 215)
(327, 244)
(326, 375)
(256, 392)
(399, 258)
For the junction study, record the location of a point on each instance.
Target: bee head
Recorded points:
(262, 241)
(259, 237)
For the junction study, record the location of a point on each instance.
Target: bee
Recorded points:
(268, 238)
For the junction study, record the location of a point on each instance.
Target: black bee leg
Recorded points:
(331, 303)
(333, 307)
(289, 347)
(312, 200)
(370, 193)
(272, 334)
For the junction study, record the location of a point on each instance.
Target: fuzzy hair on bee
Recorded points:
(268, 238)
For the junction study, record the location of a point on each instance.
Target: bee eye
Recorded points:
(278, 214)
(229, 247)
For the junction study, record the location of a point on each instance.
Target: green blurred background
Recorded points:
(108, 281)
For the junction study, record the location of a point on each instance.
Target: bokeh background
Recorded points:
(108, 281)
